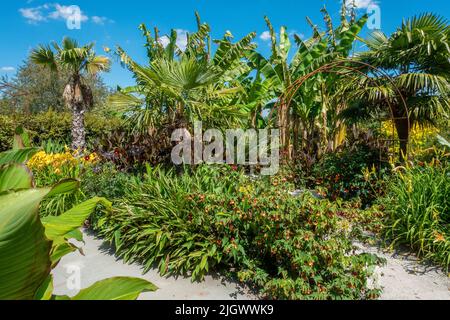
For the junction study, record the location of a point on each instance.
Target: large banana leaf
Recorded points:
(120, 288)
(17, 156)
(59, 226)
(348, 37)
(15, 177)
(24, 249)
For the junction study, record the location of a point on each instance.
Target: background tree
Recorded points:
(78, 63)
(36, 88)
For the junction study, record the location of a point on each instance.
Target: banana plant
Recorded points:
(312, 106)
(30, 246)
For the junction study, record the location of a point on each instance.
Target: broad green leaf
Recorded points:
(21, 139)
(60, 251)
(64, 186)
(17, 156)
(15, 177)
(75, 234)
(46, 290)
(60, 226)
(348, 37)
(120, 288)
(24, 249)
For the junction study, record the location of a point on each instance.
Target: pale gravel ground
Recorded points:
(99, 263)
(403, 278)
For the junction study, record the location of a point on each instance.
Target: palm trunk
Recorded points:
(402, 126)
(78, 129)
(78, 98)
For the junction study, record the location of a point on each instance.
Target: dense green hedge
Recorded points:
(54, 126)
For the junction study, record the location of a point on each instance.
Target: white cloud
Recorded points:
(265, 36)
(164, 41)
(182, 40)
(56, 11)
(101, 20)
(34, 15)
(61, 12)
(8, 69)
(362, 4)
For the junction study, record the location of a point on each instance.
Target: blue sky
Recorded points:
(27, 23)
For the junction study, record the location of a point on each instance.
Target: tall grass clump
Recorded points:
(418, 211)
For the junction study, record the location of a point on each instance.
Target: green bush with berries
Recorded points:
(217, 219)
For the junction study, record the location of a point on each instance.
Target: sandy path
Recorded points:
(99, 263)
(405, 278)
(402, 278)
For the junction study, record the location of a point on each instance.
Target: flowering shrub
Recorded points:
(51, 167)
(217, 219)
(351, 174)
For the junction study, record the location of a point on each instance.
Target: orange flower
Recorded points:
(439, 237)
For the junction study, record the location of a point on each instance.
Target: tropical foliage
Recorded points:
(364, 136)
(413, 75)
(35, 89)
(181, 85)
(30, 247)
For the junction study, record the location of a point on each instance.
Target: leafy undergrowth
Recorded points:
(218, 220)
(418, 211)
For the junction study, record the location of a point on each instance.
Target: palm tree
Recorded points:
(416, 62)
(79, 62)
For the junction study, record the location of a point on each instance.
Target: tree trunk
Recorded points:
(402, 126)
(283, 123)
(78, 129)
(296, 134)
(78, 98)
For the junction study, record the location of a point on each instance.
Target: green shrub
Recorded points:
(7, 127)
(354, 172)
(104, 180)
(217, 219)
(418, 210)
(55, 126)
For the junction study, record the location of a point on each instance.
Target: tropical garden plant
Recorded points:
(181, 85)
(30, 246)
(307, 116)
